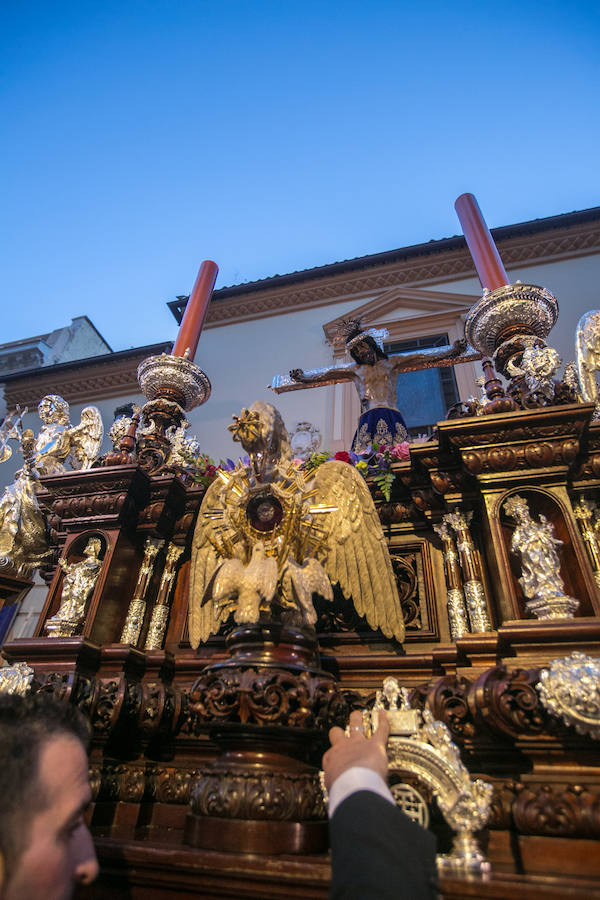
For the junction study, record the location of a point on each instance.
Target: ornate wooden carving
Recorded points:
(240, 733)
(448, 701)
(569, 812)
(507, 702)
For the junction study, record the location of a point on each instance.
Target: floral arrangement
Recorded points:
(375, 462)
(205, 469)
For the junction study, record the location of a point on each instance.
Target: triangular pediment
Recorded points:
(409, 308)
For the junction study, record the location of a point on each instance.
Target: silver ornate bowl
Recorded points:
(524, 309)
(173, 378)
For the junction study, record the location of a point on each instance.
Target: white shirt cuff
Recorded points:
(357, 778)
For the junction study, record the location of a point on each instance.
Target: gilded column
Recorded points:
(473, 585)
(137, 607)
(455, 597)
(584, 515)
(160, 613)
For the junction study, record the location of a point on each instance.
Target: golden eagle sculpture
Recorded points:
(268, 538)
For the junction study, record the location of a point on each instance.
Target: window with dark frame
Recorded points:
(423, 397)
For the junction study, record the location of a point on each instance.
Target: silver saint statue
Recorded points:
(23, 539)
(536, 547)
(78, 584)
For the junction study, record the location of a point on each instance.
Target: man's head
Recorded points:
(45, 846)
(53, 408)
(364, 346)
(366, 351)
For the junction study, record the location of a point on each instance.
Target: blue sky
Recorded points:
(142, 137)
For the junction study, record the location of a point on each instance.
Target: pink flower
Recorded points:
(400, 451)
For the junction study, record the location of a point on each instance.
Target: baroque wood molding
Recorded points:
(310, 290)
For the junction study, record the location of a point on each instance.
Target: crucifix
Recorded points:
(373, 373)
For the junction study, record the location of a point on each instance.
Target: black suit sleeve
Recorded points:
(378, 853)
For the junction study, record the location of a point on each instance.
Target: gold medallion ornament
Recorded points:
(268, 538)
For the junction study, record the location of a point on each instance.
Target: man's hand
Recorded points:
(458, 347)
(357, 750)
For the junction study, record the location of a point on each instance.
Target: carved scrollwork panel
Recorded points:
(448, 702)
(265, 795)
(262, 697)
(572, 812)
(170, 784)
(60, 684)
(122, 782)
(507, 702)
(501, 807)
(108, 704)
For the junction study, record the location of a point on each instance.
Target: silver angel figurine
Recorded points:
(536, 547)
(78, 584)
(59, 441)
(587, 350)
(23, 540)
(537, 365)
(16, 678)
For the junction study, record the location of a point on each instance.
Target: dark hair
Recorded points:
(26, 726)
(373, 345)
(125, 410)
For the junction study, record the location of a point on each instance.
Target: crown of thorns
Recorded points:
(351, 332)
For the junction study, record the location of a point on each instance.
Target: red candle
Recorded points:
(490, 269)
(195, 311)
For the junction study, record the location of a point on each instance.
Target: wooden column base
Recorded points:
(266, 708)
(255, 836)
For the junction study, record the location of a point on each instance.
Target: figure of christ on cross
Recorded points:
(374, 376)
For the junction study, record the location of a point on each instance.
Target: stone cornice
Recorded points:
(437, 308)
(81, 381)
(560, 237)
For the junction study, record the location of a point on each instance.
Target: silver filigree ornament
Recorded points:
(163, 376)
(587, 352)
(528, 304)
(183, 449)
(570, 690)
(16, 679)
(537, 365)
(306, 439)
(422, 746)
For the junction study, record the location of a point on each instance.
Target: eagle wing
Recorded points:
(300, 582)
(358, 556)
(206, 619)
